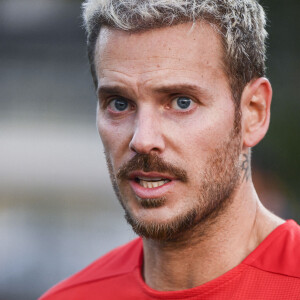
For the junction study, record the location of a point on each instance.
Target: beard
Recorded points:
(215, 188)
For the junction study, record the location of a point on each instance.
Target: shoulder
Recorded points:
(279, 253)
(117, 262)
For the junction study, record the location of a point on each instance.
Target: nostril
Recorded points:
(147, 137)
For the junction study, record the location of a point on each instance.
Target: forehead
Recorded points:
(176, 51)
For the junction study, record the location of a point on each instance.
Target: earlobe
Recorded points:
(255, 106)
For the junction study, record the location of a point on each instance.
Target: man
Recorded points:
(182, 99)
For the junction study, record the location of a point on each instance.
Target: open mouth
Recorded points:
(150, 183)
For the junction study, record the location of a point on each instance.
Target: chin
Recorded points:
(158, 227)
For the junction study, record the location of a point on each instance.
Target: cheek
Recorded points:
(202, 135)
(115, 138)
(104, 132)
(197, 136)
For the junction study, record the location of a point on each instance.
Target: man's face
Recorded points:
(166, 116)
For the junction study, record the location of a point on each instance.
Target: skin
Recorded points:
(151, 69)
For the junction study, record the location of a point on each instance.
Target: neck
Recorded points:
(213, 248)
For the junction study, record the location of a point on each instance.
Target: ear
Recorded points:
(255, 107)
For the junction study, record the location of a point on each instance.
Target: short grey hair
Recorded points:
(240, 23)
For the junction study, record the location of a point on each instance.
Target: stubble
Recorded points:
(214, 192)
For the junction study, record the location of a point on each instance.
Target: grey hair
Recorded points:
(240, 23)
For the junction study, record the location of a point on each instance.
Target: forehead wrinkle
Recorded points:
(107, 88)
(142, 86)
(142, 79)
(145, 71)
(134, 89)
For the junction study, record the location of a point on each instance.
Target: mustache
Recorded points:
(150, 163)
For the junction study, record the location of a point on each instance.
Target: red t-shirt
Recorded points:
(271, 271)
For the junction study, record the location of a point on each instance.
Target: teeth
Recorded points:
(152, 184)
(152, 179)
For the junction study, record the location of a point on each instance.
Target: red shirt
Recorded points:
(271, 271)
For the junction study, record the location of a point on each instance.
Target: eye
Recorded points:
(182, 103)
(118, 105)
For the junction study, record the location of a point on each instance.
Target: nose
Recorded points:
(148, 136)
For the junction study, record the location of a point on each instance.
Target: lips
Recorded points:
(150, 185)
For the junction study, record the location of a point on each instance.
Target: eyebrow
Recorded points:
(111, 90)
(181, 88)
(161, 89)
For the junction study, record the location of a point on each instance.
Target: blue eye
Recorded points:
(119, 104)
(182, 103)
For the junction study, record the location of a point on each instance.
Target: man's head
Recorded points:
(174, 138)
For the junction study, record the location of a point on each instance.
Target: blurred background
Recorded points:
(57, 209)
